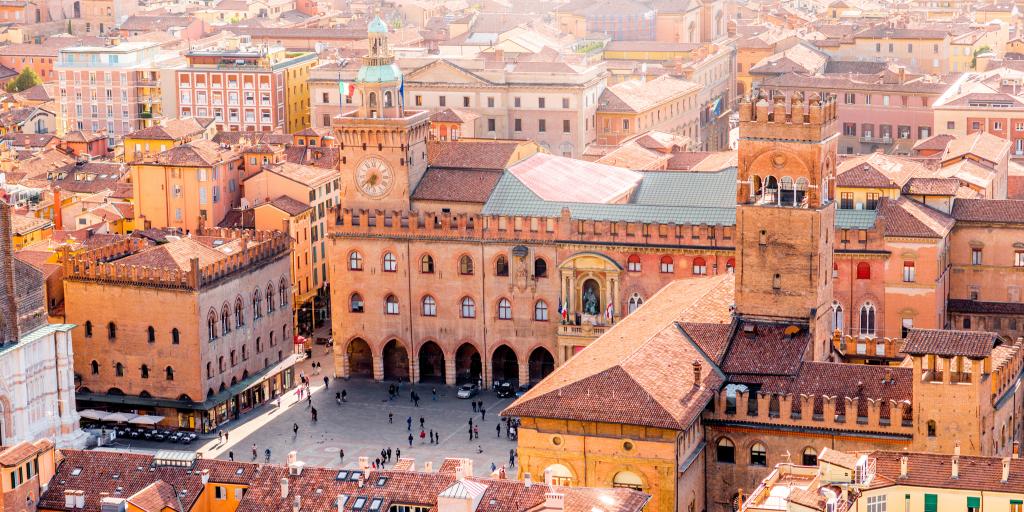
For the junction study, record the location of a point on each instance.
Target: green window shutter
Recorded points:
(973, 502)
(1016, 502)
(931, 503)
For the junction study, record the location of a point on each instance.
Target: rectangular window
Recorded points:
(465, 101)
(542, 125)
(540, 102)
(490, 125)
(517, 101)
(418, 100)
(909, 274)
(931, 503)
(1018, 259)
(565, 126)
(950, 125)
(490, 102)
(872, 203)
(518, 125)
(442, 100)
(219, 492)
(975, 256)
(1016, 505)
(876, 503)
(846, 201)
(850, 129)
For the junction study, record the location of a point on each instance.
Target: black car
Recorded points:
(504, 389)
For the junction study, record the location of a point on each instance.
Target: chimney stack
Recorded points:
(206, 476)
(956, 467)
(284, 488)
(1006, 470)
(956, 448)
(554, 501)
(292, 457)
(696, 373)
(527, 480)
(364, 463)
(904, 462)
(549, 477)
(297, 503)
(1016, 449)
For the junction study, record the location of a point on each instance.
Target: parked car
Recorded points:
(467, 391)
(522, 390)
(504, 389)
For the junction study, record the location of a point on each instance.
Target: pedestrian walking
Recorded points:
(433, 394)
(337, 398)
(494, 467)
(226, 433)
(254, 451)
(410, 439)
(220, 436)
(266, 455)
(511, 457)
(474, 405)
(476, 431)
(398, 453)
(326, 382)
(313, 411)
(421, 421)
(483, 413)
(295, 431)
(431, 436)
(376, 463)
(471, 423)
(383, 454)
(231, 456)
(497, 428)
(389, 454)
(479, 448)
(408, 423)
(391, 417)
(344, 395)
(341, 454)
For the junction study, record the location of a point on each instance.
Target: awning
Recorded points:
(119, 417)
(152, 419)
(93, 414)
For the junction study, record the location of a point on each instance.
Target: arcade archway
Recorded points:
(504, 364)
(468, 364)
(396, 361)
(431, 363)
(541, 364)
(360, 359)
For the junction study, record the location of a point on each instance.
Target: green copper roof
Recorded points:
(855, 219)
(679, 197)
(377, 74)
(377, 26)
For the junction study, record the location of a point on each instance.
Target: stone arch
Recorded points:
(504, 364)
(627, 479)
(541, 364)
(468, 363)
(360, 358)
(560, 474)
(431, 362)
(394, 357)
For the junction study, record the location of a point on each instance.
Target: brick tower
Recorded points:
(785, 212)
(383, 146)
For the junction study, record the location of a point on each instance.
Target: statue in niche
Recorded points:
(591, 304)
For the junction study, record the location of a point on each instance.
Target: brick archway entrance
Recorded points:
(468, 365)
(431, 363)
(360, 359)
(396, 361)
(541, 364)
(505, 365)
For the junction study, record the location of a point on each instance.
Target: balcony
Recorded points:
(582, 331)
(876, 140)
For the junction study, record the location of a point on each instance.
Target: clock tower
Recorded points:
(383, 146)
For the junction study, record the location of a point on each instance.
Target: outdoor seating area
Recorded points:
(134, 426)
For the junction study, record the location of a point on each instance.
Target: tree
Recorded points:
(27, 79)
(979, 51)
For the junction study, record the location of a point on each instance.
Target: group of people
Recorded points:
(385, 457)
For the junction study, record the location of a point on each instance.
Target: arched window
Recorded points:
(225, 320)
(169, 373)
(501, 266)
(633, 263)
(175, 336)
(391, 305)
(504, 309)
(270, 299)
(667, 267)
(390, 262)
(700, 267)
(245, 353)
(429, 306)
(466, 265)
(540, 311)
(88, 329)
(863, 270)
(211, 325)
(373, 100)
(111, 330)
(786, 191)
(232, 358)
(95, 367)
(257, 304)
(387, 99)
(355, 303)
(209, 370)
(810, 457)
(635, 301)
(119, 370)
(239, 315)
(151, 334)
(758, 455)
(282, 287)
(867, 319)
(468, 309)
(931, 428)
(220, 364)
(725, 451)
(144, 371)
(355, 261)
(627, 480)
(259, 344)
(427, 264)
(837, 317)
(540, 268)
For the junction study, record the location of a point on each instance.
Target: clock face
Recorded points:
(374, 177)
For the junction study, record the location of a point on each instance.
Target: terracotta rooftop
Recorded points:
(642, 95)
(948, 343)
(932, 186)
(157, 497)
(747, 355)
(642, 366)
(988, 210)
(177, 254)
(172, 129)
(288, 205)
(308, 175)
(933, 470)
(983, 145)
(197, 153)
(457, 185)
(472, 154)
(905, 218)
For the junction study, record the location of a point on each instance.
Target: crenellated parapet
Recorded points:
(102, 264)
(813, 119)
(851, 414)
(463, 226)
(868, 347)
(1007, 369)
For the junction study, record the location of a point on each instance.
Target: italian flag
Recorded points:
(346, 88)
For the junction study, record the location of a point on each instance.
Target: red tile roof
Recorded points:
(979, 307)
(456, 185)
(905, 218)
(156, 497)
(988, 210)
(947, 343)
(492, 155)
(934, 470)
(932, 186)
(747, 354)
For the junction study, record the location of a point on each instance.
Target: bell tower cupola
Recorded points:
(379, 81)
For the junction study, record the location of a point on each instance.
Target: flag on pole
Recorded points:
(565, 310)
(401, 92)
(346, 88)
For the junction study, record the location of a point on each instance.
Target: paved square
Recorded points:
(360, 426)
